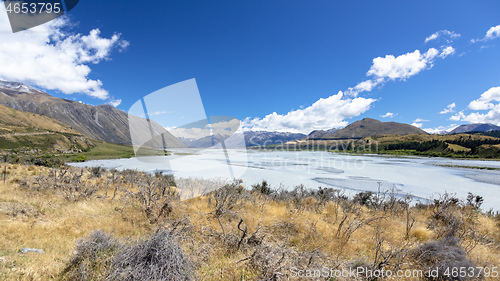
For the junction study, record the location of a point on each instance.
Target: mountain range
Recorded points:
(480, 127)
(109, 124)
(366, 127)
(103, 122)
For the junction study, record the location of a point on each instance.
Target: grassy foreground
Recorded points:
(231, 233)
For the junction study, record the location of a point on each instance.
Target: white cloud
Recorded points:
(432, 37)
(403, 66)
(446, 52)
(325, 113)
(51, 58)
(485, 101)
(115, 103)
(492, 33)
(449, 108)
(440, 129)
(365, 86)
(389, 114)
(398, 68)
(332, 111)
(448, 35)
(420, 120)
(489, 100)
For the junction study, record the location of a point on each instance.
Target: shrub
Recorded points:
(93, 257)
(96, 172)
(444, 255)
(157, 258)
(365, 198)
(475, 201)
(80, 158)
(155, 195)
(263, 188)
(47, 162)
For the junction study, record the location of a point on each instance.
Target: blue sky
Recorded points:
(251, 59)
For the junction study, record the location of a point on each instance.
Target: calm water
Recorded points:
(418, 176)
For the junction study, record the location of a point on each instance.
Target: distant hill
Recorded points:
(319, 134)
(31, 133)
(16, 122)
(103, 122)
(480, 127)
(370, 127)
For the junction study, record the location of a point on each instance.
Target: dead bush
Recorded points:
(157, 258)
(155, 195)
(444, 255)
(93, 257)
(223, 200)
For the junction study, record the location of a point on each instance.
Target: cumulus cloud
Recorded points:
(402, 67)
(449, 36)
(492, 33)
(51, 58)
(418, 125)
(388, 114)
(449, 108)
(332, 111)
(325, 113)
(489, 100)
(485, 100)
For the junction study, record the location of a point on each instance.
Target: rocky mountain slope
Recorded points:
(319, 134)
(102, 122)
(480, 127)
(25, 132)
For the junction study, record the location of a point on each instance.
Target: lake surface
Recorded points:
(419, 177)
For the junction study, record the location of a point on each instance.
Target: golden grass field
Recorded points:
(302, 231)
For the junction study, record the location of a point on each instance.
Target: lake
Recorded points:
(423, 178)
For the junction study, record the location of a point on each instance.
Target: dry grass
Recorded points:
(283, 230)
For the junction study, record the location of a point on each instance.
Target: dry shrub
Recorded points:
(93, 257)
(101, 257)
(444, 255)
(280, 262)
(157, 258)
(155, 195)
